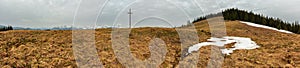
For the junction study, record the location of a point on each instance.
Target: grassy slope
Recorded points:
(53, 48)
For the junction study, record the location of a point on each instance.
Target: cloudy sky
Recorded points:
(85, 13)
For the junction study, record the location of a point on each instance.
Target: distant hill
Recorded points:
(21, 28)
(60, 28)
(53, 28)
(243, 15)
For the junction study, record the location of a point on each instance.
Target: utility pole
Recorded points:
(129, 13)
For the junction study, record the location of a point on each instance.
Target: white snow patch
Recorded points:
(240, 43)
(266, 27)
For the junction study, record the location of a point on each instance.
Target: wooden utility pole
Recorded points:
(129, 13)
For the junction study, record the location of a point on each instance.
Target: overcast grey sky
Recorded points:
(51, 13)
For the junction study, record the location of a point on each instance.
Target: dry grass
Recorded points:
(36, 49)
(54, 49)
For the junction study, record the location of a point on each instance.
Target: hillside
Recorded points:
(249, 16)
(38, 48)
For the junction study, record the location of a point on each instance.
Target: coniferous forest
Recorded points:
(6, 28)
(243, 15)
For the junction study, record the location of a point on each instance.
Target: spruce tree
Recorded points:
(10, 28)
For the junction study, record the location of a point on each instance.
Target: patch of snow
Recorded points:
(266, 27)
(198, 46)
(240, 43)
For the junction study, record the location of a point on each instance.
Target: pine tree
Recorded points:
(2, 29)
(10, 28)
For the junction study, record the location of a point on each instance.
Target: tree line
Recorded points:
(243, 15)
(6, 28)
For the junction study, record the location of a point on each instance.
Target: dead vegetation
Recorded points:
(24, 48)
